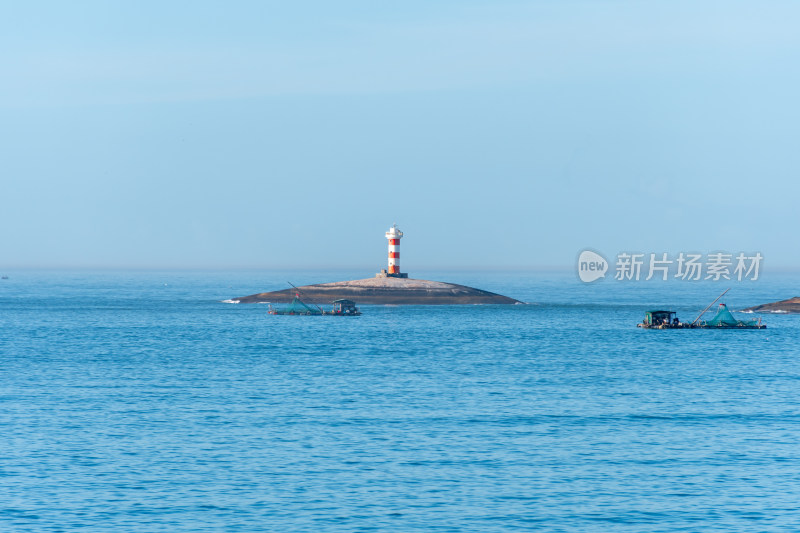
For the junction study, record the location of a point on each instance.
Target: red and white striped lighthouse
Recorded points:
(394, 235)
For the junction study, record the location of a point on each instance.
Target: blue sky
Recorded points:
(495, 134)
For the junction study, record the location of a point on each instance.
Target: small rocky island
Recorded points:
(792, 305)
(388, 287)
(384, 290)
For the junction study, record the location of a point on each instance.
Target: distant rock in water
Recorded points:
(387, 290)
(792, 305)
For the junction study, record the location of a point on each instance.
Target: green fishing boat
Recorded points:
(299, 307)
(724, 319)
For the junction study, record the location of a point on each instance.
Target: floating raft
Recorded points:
(298, 307)
(724, 319)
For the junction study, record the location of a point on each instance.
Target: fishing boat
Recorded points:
(724, 319)
(299, 307)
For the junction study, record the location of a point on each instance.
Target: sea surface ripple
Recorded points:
(141, 402)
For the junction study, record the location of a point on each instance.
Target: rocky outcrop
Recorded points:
(396, 291)
(792, 305)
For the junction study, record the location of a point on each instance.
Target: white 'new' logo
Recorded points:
(591, 266)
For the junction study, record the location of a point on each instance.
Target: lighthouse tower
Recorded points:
(394, 235)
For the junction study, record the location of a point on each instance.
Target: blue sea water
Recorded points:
(138, 401)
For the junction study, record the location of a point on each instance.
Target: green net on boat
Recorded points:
(724, 318)
(297, 307)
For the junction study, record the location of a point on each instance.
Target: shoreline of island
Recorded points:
(384, 291)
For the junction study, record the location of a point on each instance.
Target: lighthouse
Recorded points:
(394, 235)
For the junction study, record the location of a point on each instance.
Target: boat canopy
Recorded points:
(659, 317)
(345, 307)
